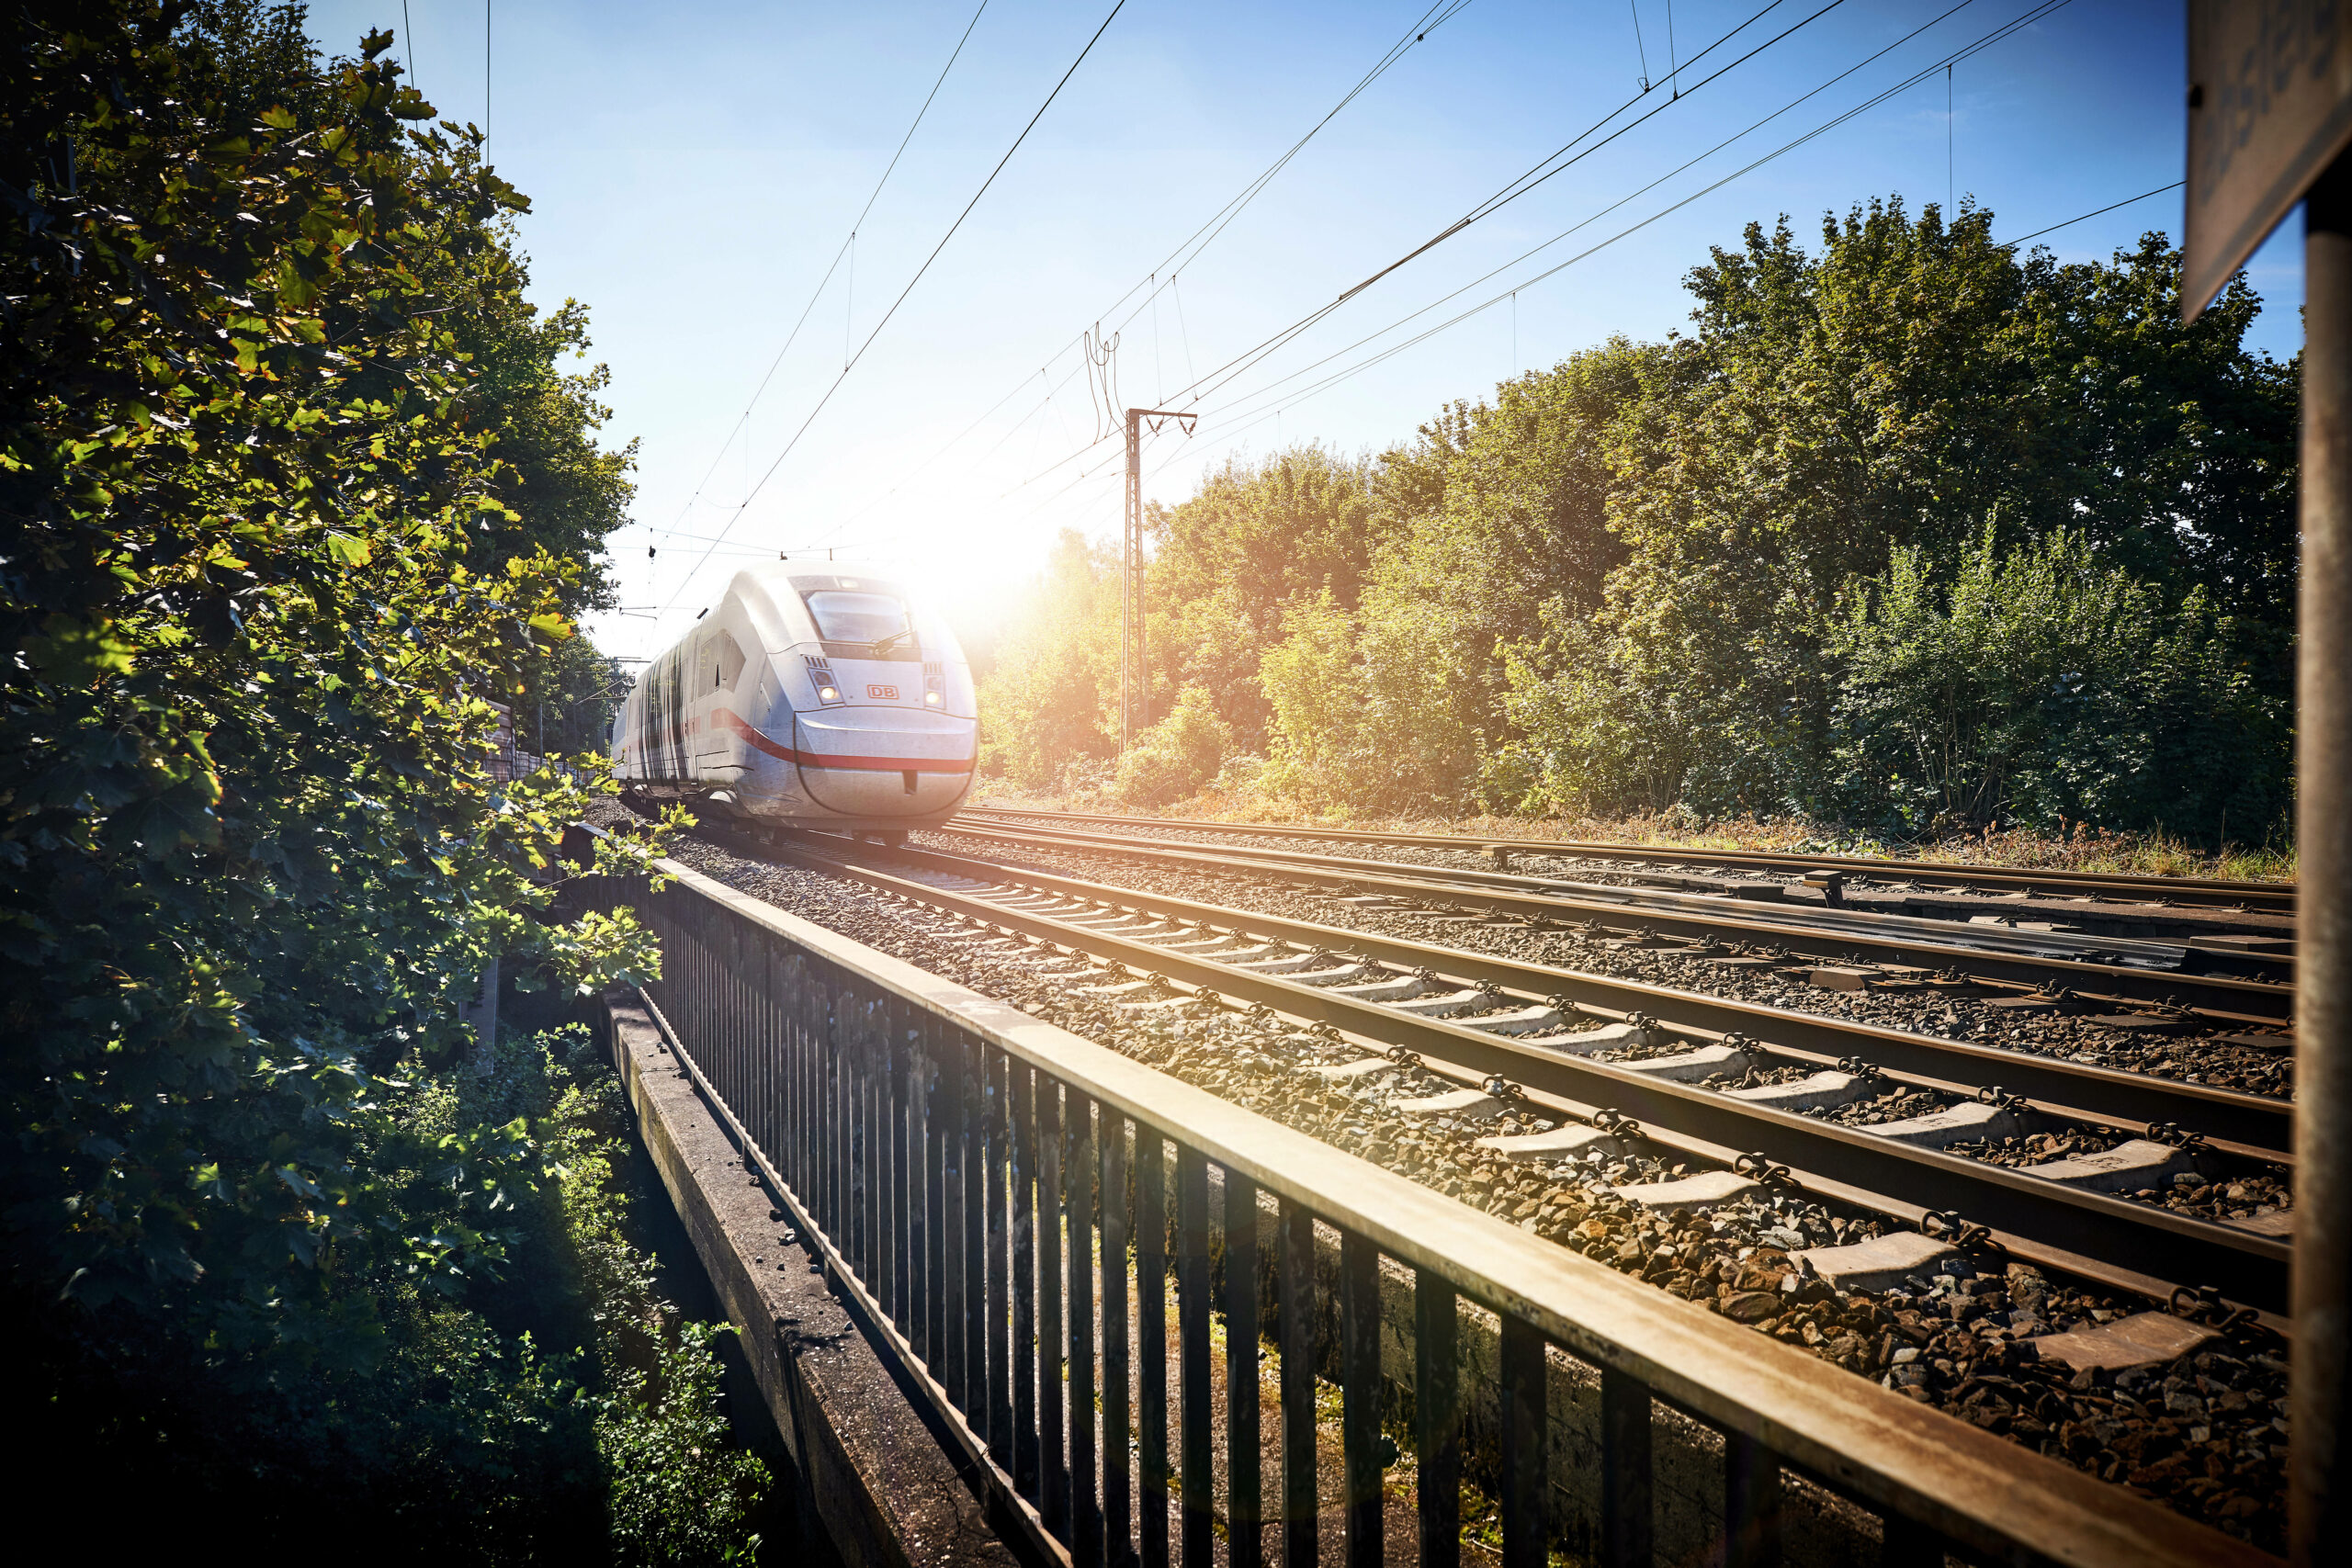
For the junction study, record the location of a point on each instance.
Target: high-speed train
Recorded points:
(812, 694)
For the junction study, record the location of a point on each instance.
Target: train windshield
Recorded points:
(858, 617)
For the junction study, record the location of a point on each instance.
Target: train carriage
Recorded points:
(818, 694)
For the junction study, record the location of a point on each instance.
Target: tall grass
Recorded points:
(2082, 848)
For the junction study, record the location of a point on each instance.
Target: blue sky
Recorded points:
(694, 170)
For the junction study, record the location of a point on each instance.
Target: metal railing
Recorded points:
(1005, 1205)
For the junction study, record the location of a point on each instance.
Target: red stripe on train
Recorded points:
(735, 722)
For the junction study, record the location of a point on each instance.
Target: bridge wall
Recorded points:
(878, 1485)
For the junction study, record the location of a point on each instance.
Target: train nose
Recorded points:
(884, 761)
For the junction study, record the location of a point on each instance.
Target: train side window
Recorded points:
(730, 659)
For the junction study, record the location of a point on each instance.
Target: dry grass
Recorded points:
(2084, 849)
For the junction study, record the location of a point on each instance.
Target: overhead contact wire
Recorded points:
(1999, 34)
(1225, 373)
(920, 272)
(846, 249)
(1215, 225)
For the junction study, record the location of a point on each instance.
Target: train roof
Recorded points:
(810, 576)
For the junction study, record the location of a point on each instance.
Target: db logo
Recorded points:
(887, 694)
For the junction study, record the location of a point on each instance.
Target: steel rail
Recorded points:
(2223, 997)
(825, 1047)
(1829, 920)
(2124, 1246)
(2211, 892)
(2246, 1126)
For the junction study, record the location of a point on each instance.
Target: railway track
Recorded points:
(2141, 982)
(1543, 1037)
(2177, 892)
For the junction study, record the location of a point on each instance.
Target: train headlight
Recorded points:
(931, 699)
(829, 694)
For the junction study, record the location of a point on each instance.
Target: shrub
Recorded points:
(1178, 756)
(2046, 683)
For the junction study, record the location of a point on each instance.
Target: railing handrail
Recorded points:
(1982, 1491)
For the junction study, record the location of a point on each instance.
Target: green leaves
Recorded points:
(253, 858)
(76, 652)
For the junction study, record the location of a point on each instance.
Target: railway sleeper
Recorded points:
(2132, 1167)
(1821, 1301)
(1465, 1109)
(1823, 1090)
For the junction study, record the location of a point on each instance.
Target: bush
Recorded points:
(2042, 684)
(1177, 756)
(680, 1493)
(556, 1409)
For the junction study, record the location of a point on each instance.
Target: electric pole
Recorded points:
(1134, 675)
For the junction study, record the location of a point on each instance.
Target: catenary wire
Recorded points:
(770, 471)
(1495, 203)
(1527, 181)
(848, 241)
(1193, 244)
(1585, 222)
(2006, 29)
(2095, 212)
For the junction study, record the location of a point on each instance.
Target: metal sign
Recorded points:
(2269, 108)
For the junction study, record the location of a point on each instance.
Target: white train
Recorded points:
(813, 694)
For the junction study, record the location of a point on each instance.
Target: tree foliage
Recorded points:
(1631, 581)
(1907, 388)
(259, 572)
(1053, 700)
(1254, 539)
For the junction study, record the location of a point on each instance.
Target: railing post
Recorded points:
(1751, 1503)
(832, 1103)
(878, 1077)
(1054, 1507)
(1078, 1175)
(1295, 1307)
(1192, 1415)
(1908, 1543)
(860, 1180)
(936, 1232)
(903, 1222)
(995, 1172)
(1026, 1478)
(971, 1197)
(769, 1013)
(1626, 1517)
(1118, 1512)
(947, 1134)
(1151, 1344)
(1438, 1420)
(1525, 1437)
(1359, 1396)
(1245, 1545)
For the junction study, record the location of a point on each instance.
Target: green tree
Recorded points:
(1896, 390)
(1177, 756)
(1519, 527)
(2044, 684)
(560, 492)
(1052, 699)
(1254, 539)
(252, 857)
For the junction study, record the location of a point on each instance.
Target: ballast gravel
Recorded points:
(1950, 1012)
(2205, 1435)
